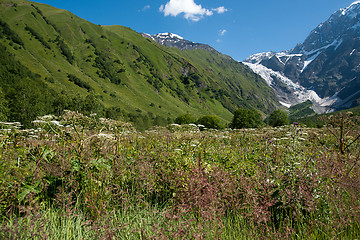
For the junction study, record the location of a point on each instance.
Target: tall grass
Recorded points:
(78, 177)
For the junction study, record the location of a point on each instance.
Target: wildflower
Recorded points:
(57, 123)
(296, 123)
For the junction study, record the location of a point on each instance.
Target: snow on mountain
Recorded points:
(169, 35)
(350, 9)
(325, 68)
(174, 40)
(274, 79)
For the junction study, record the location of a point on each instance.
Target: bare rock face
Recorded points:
(327, 62)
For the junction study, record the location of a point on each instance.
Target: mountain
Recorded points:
(324, 68)
(53, 60)
(174, 40)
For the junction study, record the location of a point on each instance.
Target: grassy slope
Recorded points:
(222, 85)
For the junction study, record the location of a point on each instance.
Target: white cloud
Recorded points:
(192, 11)
(222, 32)
(220, 10)
(146, 8)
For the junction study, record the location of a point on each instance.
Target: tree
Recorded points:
(278, 118)
(210, 122)
(244, 118)
(3, 107)
(185, 119)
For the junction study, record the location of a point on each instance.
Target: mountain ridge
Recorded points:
(126, 75)
(174, 40)
(327, 62)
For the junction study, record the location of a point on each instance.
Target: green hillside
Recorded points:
(56, 60)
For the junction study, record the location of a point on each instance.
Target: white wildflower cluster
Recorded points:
(193, 128)
(47, 122)
(10, 125)
(71, 121)
(6, 127)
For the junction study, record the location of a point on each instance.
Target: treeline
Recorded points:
(65, 50)
(24, 96)
(243, 118)
(5, 31)
(37, 36)
(107, 67)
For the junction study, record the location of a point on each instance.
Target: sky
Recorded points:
(238, 28)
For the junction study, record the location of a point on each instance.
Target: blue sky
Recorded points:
(237, 28)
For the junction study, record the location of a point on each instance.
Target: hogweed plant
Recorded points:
(85, 177)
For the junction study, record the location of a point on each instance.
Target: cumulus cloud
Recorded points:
(192, 11)
(220, 10)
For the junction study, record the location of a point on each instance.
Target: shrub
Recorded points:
(244, 118)
(278, 118)
(210, 122)
(77, 81)
(185, 119)
(37, 36)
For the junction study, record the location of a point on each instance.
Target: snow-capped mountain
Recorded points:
(325, 68)
(174, 40)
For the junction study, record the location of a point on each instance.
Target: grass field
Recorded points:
(77, 177)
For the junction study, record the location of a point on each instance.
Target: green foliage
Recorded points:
(106, 67)
(126, 70)
(79, 82)
(4, 111)
(37, 36)
(80, 177)
(301, 110)
(26, 95)
(278, 118)
(65, 50)
(211, 122)
(186, 118)
(10, 34)
(114, 113)
(244, 118)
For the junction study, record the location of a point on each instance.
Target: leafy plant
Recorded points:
(244, 118)
(277, 118)
(186, 118)
(210, 122)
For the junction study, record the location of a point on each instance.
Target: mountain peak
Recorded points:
(169, 35)
(174, 40)
(326, 63)
(354, 4)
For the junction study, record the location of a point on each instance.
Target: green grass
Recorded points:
(151, 73)
(99, 178)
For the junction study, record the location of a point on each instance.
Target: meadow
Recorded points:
(79, 177)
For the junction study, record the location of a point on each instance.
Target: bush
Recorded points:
(244, 118)
(210, 122)
(278, 118)
(77, 81)
(3, 106)
(185, 119)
